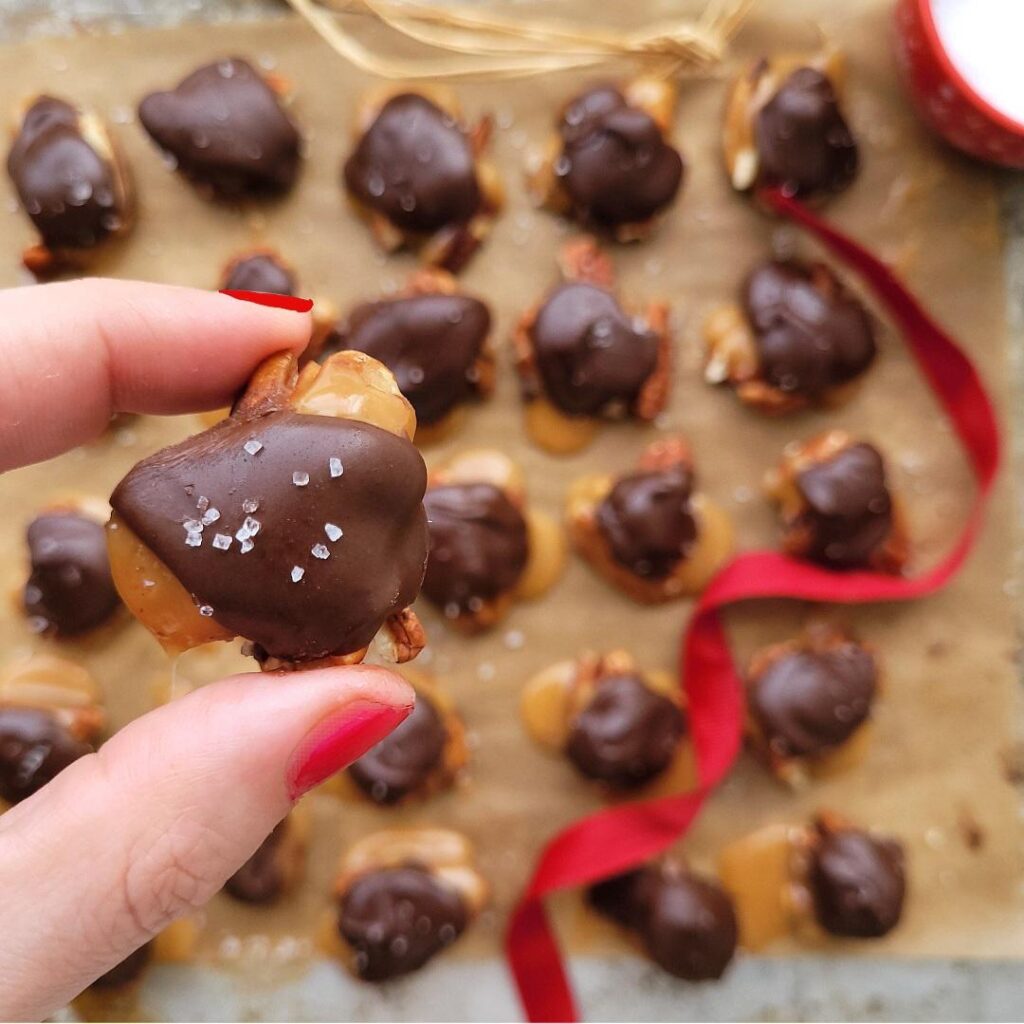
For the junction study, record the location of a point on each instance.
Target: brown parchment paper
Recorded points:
(944, 726)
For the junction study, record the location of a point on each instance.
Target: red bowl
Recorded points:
(945, 100)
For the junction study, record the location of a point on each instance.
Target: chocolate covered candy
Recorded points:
(225, 128)
(276, 866)
(260, 271)
(128, 971)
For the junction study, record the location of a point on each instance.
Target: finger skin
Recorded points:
(74, 353)
(124, 841)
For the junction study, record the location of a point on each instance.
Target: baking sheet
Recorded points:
(944, 728)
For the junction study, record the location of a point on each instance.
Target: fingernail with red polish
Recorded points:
(338, 740)
(297, 305)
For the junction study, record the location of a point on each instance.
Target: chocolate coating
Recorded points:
(260, 272)
(338, 602)
(396, 919)
(403, 762)
(261, 878)
(479, 546)
(127, 971)
(414, 166)
(627, 734)
(431, 344)
(849, 511)
(808, 702)
(615, 166)
(648, 522)
(858, 884)
(34, 748)
(804, 145)
(226, 129)
(69, 589)
(810, 338)
(589, 353)
(624, 898)
(65, 185)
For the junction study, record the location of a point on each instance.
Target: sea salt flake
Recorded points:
(202, 503)
(251, 526)
(300, 479)
(250, 505)
(253, 447)
(210, 516)
(205, 610)
(245, 546)
(297, 573)
(320, 551)
(193, 540)
(222, 541)
(193, 526)
(336, 467)
(333, 532)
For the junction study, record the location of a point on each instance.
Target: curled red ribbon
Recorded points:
(617, 838)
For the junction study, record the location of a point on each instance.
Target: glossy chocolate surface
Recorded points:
(858, 884)
(615, 165)
(431, 344)
(589, 352)
(396, 919)
(261, 878)
(65, 185)
(69, 589)
(34, 748)
(260, 272)
(226, 128)
(403, 762)
(627, 734)
(849, 513)
(648, 522)
(414, 166)
(479, 546)
(803, 142)
(320, 561)
(810, 336)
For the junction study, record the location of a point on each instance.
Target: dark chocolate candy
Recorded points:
(431, 344)
(615, 164)
(479, 546)
(648, 522)
(414, 166)
(127, 971)
(589, 352)
(260, 272)
(627, 734)
(808, 702)
(809, 338)
(34, 748)
(261, 878)
(65, 185)
(849, 513)
(624, 898)
(402, 763)
(314, 534)
(69, 589)
(857, 883)
(226, 129)
(396, 919)
(803, 143)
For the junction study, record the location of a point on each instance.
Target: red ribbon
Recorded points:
(617, 838)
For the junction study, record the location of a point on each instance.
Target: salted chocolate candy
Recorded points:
(835, 505)
(582, 356)
(423, 756)
(261, 270)
(617, 725)
(649, 532)
(225, 127)
(685, 923)
(297, 523)
(488, 549)
(610, 164)
(784, 128)
(434, 339)
(798, 338)
(809, 701)
(420, 177)
(403, 896)
(69, 590)
(277, 865)
(71, 179)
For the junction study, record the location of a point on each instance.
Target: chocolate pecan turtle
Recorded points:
(797, 338)
(583, 357)
(277, 865)
(259, 270)
(610, 164)
(836, 507)
(648, 532)
(420, 177)
(72, 181)
(297, 523)
(784, 127)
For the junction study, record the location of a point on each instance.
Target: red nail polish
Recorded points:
(270, 299)
(338, 740)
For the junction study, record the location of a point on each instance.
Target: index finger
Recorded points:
(72, 354)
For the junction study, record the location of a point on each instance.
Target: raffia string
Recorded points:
(480, 42)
